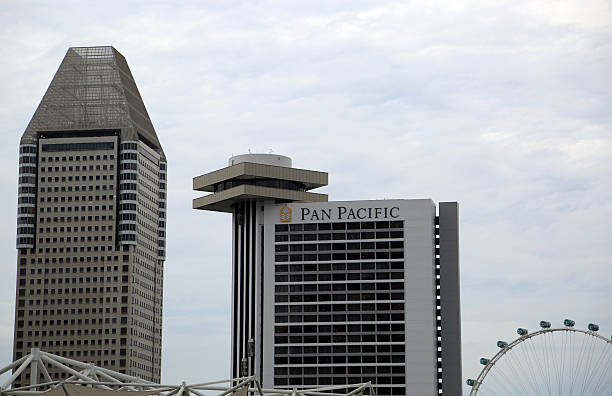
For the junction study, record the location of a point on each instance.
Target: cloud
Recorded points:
(502, 106)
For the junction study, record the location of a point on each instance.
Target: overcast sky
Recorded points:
(503, 106)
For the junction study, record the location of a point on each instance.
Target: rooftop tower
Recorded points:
(242, 188)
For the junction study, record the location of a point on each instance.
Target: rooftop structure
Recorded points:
(257, 177)
(93, 89)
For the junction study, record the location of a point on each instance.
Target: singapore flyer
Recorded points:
(563, 361)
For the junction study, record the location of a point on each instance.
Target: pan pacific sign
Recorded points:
(347, 213)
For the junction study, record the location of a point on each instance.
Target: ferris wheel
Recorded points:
(561, 361)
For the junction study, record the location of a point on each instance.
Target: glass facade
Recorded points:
(339, 304)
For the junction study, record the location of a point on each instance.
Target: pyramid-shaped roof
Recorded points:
(93, 89)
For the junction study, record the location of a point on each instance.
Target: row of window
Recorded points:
(128, 156)
(127, 197)
(98, 187)
(128, 166)
(128, 176)
(105, 339)
(27, 160)
(379, 307)
(63, 178)
(68, 219)
(74, 270)
(339, 349)
(98, 352)
(89, 146)
(314, 247)
(74, 290)
(279, 298)
(26, 230)
(71, 229)
(353, 266)
(338, 287)
(79, 158)
(26, 220)
(81, 249)
(339, 370)
(27, 190)
(339, 277)
(82, 239)
(83, 198)
(27, 180)
(74, 279)
(93, 300)
(371, 255)
(340, 359)
(80, 321)
(338, 236)
(52, 281)
(72, 311)
(366, 225)
(271, 183)
(356, 317)
(105, 334)
(338, 375)
(355, 328)
(25, 169)
(76, 322)
(77, 168)
(151, 169)
(28, 149)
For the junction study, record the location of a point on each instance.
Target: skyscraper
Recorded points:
(336, 293)
(91, 221)
(239, 189)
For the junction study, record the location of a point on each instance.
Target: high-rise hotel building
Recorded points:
(91, 221)
(337, 293)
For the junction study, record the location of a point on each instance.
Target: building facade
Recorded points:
(342, 292)
(91, 221)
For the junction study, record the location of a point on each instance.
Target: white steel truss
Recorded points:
(86, 379)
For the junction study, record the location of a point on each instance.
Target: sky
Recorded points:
(503, 106)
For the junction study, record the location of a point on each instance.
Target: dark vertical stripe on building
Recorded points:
(450, 304)
(253, 272)
(235, 297)
(36, 213)
(261, 304)
(118, 190)
(246, 286)
(241, 286)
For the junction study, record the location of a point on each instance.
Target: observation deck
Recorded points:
(257, 177)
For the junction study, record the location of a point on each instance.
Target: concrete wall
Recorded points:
(450, 303)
